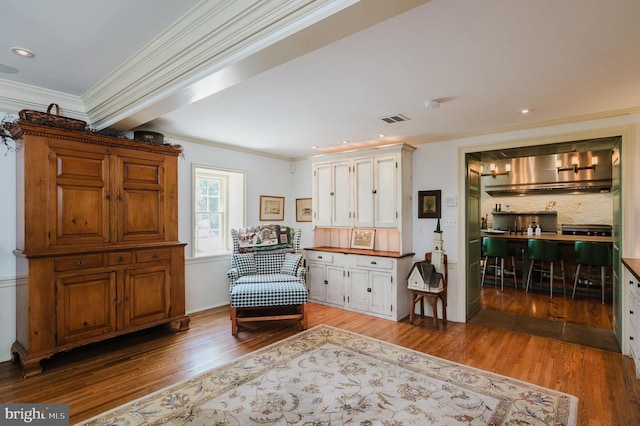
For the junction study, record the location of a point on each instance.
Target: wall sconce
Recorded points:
(494, 171)
(575, 167)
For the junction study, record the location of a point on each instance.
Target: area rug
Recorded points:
(327, 376)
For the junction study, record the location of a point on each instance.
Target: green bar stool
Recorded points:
(591, 254)
(498, 248)
(545, 251)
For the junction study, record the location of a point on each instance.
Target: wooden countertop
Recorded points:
(633, 265)
(552, 237)
(378, 253)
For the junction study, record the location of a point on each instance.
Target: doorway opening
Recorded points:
(581, 319)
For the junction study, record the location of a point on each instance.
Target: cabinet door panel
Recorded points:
(385, 197)
(381, 289)
(341, 194)
(86, 306)
(363, 193)
(317, 287)
(147, 295)
(140, 200)
(322, 195)
(359, 290)
(335, 285)
(79, 192)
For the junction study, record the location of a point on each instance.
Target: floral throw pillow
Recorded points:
(290, 264)
(245, 263)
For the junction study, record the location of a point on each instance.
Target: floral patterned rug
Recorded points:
(327, 376)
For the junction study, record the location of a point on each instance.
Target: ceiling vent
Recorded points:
(395, 118)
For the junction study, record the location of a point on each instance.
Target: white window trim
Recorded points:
(226, 226)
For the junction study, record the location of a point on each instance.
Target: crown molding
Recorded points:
(18, 96)
(537, 125)
(210, 37)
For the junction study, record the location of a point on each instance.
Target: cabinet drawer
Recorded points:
(375, 262)
(315, 256)
(153, 255)
(119, 258)
(69, 263)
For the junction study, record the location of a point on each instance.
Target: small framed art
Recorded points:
(429, 205)
(271, 208)
(363, 238)
(303, 209)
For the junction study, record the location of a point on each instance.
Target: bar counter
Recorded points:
(566, 246)
(550, 236)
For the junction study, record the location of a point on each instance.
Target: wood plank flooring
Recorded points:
(583, 310)
(102, 376)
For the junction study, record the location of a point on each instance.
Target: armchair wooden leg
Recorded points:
(234, 324)
(304, 316)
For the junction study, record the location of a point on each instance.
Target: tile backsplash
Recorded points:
(583, 208)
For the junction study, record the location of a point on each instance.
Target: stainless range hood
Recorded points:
(540, 174)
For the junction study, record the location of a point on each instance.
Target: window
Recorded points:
(219, 196)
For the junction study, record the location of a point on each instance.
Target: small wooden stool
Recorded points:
(432, 297)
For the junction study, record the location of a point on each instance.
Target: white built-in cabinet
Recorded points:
(374, 285)
(332, 204)
(633, 317)
(363, 189)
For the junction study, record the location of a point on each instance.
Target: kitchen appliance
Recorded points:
(587, 229)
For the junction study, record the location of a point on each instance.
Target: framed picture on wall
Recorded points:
(271, 208)
(303, 209)
(429, 204)
(363, 238)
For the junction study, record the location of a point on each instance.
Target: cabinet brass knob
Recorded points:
(120, 258)
(79, 262)
(326, 282)
(369, 290)
(373, 262)
(319, 257)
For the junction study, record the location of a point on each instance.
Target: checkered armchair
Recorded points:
(267, 279)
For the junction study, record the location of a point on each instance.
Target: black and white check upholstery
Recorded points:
(263, 278)
(268, 294)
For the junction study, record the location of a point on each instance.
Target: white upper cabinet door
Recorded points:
(341, 194)
(322, 197)
(363, 192)
(385, 192)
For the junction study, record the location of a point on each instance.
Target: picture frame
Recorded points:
(363, 238)
(303, 210)
(271, 208)
(429, 204)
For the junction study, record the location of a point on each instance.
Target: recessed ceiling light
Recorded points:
(525, 110)
(25, 53)
(432, 104)
(381, 135)
(345, 141)
(314, 147)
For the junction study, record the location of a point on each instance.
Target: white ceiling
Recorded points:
(320, 79)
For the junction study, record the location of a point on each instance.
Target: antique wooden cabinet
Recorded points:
(97, 240)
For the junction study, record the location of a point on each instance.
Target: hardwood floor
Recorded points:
(102, 376)
(582, 310)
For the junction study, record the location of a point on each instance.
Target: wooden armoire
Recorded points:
(97, 240)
